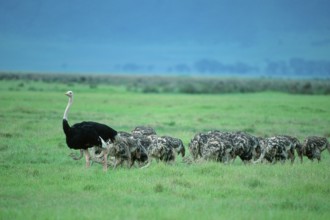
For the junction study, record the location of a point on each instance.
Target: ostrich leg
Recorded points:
(105, 159)
(87, 157)
(105, 147)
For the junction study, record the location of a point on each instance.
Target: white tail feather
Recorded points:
(104, 144)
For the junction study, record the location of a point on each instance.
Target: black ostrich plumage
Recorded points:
(87, 134)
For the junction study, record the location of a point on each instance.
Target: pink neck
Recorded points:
(66, 112)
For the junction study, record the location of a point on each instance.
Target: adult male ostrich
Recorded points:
(87, 134)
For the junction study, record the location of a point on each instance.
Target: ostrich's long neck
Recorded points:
(66, 112)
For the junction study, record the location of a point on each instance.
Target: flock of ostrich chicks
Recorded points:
(102, 144)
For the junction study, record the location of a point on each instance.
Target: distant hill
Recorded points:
(207, 37)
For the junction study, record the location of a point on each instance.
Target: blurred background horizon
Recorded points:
(186, 37)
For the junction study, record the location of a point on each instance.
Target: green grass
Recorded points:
(40, 181)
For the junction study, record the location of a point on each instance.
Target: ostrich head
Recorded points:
(69, 94)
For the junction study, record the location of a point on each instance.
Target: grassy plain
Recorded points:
(40, 181)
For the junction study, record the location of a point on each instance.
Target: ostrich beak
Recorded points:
(68, 93)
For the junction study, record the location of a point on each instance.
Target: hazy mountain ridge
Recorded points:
(155, 36)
